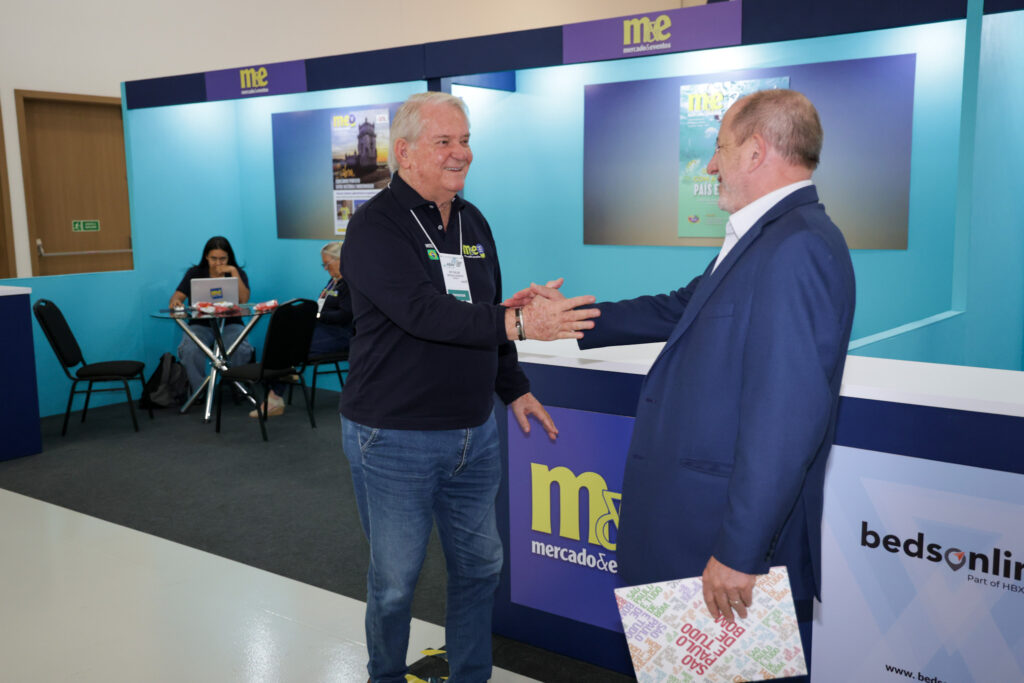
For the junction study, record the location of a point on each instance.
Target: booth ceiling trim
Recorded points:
(731, 21)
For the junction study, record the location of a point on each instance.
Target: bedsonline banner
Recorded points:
(692, 28)
(924, 572)
(253, 81)
(564, 515)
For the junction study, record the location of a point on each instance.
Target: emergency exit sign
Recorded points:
(85, 226)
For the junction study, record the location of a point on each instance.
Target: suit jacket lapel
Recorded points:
(711, 280)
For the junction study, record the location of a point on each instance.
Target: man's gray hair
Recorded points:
(408, 122)
(786, 119)
(332, 249)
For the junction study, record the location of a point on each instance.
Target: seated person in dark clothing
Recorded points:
(333, 321)
(218, 261)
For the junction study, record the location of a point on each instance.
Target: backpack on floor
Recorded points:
(167, 386)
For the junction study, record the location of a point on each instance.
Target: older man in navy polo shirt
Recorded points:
(432, 346)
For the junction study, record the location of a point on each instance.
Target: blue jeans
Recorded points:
(404, 481)
(193, 358)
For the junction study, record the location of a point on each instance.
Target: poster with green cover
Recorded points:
(701, 107)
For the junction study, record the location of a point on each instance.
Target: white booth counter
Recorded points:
(19, 419)
(922, 540)
(1000, 392)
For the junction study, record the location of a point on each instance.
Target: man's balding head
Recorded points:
(787, 121)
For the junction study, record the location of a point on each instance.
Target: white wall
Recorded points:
(91, 46)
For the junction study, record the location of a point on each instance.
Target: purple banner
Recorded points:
(564, 515)
(691, 28)
(255, 81)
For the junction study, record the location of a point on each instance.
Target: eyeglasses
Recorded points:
(327, 264)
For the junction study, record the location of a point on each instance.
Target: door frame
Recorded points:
(6, 226)
(20, 97)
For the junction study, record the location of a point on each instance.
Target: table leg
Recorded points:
(216, 364)
(211, 382)
(241, 337)
(194, 396)
(248, 395)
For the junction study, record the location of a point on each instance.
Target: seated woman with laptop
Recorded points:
(216, 277)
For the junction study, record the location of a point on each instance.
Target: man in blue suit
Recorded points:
(726, 468)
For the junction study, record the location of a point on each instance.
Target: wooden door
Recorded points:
(76, 188)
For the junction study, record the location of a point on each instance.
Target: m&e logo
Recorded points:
(473, 251)
(706, 101)
(603, 509)
(643, 30)
(253, 77)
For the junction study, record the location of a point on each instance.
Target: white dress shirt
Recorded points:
(743, 220)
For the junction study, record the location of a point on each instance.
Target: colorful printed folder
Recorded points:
(673, 639)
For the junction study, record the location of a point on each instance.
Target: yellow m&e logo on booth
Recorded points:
(643, 30)
(603, 510)
(253, 77)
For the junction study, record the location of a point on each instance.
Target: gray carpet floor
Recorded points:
(285, 506)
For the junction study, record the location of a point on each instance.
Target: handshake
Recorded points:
(542, 312)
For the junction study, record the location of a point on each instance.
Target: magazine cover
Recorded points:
(701, 107)
(360, 143)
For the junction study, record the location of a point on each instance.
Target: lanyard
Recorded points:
(429, 239)
(323, 296)
(428, 234)
(453, 266)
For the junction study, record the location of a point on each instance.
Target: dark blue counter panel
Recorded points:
(19, 418)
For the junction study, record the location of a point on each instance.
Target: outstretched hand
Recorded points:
(550, 315)
(525, 296)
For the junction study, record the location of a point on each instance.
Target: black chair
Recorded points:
(319, 363)
(289, 334)
(64, 345)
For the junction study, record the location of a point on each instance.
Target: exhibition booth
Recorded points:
(590, 143)
(922, 562)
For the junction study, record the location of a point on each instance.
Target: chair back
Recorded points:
(57, 332)
(289, 335)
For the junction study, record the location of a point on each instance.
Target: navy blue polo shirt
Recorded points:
(420, 358)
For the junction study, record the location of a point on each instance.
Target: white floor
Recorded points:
(88, 601)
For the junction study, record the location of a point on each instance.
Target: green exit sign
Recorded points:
(85, 226)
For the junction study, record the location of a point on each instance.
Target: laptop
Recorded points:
(214, 289)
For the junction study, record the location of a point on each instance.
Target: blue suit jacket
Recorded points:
(737, 414)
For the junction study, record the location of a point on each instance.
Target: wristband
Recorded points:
(520, 327)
